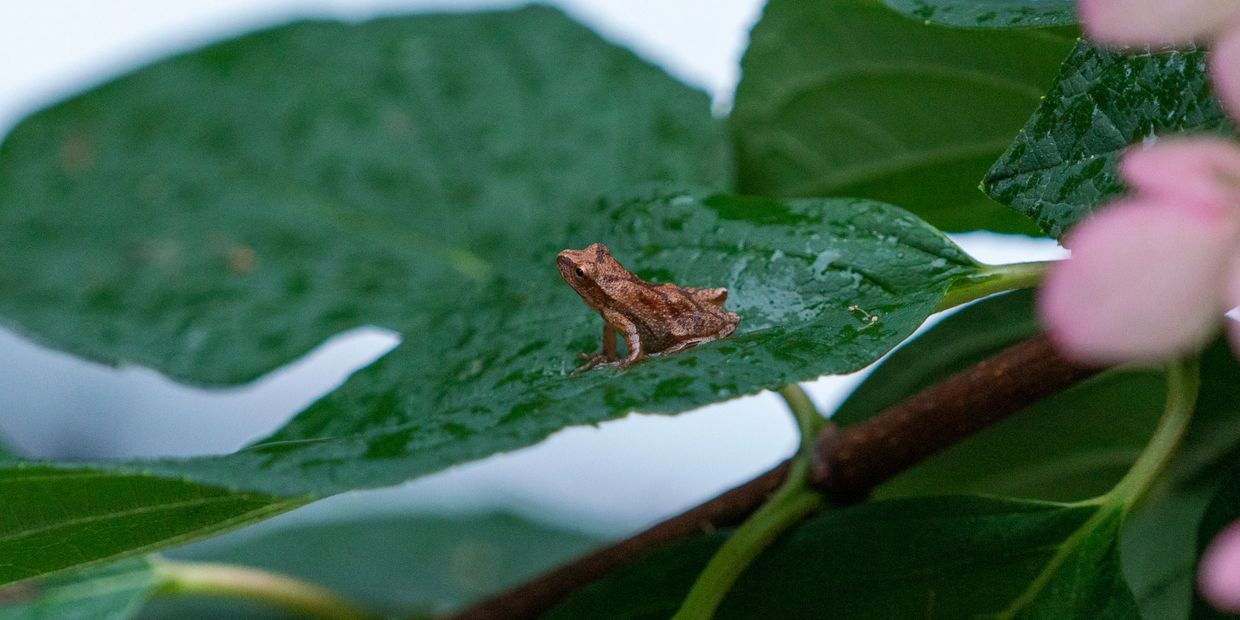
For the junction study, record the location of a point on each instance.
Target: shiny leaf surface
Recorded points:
(1062, 164)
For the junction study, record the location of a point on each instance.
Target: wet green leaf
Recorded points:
(216, 215)
(113, 592)
(1072, 446)
(805, 277)
(989, 13)
(953, 557)
(848, 98)
(1062, 164)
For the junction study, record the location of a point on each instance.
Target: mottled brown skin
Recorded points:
(653, 318)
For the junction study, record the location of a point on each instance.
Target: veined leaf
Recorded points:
(951, 557)
(59, 518)
(1062, 164)
(989, 13)
(848, 98)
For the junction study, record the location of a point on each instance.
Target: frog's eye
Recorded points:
(580, 273)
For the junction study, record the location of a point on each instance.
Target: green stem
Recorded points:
(232, 581)
(791, 503)
(993, 279)
(759, 531)
(809, 420)
(1183, 381)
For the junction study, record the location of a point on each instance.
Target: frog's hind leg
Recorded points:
(713, 296)
(633, 342)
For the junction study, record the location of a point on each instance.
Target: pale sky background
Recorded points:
(621, 475)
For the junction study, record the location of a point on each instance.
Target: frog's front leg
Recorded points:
(609, 341)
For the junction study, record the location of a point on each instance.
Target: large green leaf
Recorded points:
(114, 592)
(1062, 164)
(1072, 446)
(954, 557)
(803, 275)
(398, 565)
(55, 518)
(218, 214)
(989, 13)
(848, 98)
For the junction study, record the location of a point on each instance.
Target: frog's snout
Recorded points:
(564, 263)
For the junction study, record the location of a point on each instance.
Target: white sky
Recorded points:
(623, 474)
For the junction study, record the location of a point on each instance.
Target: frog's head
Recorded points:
(582, 269)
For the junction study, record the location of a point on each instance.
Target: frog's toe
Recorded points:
(591, 360)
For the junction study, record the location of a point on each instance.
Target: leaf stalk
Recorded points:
(232, 581)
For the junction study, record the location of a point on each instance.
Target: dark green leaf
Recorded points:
(954, 557)
(1222, 511)
(55, 519)
(398, 565)
(1072, 446)
(1160, 541)
(989, 13)
(1062, 163)
(847, 98)
(113, 592)
(216, 215)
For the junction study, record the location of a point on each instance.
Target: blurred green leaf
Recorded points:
(989, 13)
(216, 215)
(1072, 446)
(1222, 511)
(399, 565)
(1062, 164)
(1160, 544)
(113, 592)
(947, 557)
(848, 98)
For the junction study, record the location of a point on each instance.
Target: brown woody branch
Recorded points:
(848, 463)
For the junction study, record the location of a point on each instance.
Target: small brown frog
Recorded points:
(653, 318)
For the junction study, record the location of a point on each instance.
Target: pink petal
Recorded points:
(1225, 70)
(1156, 22)
(1143, 283)
(1197, 173)
(1218, 577)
